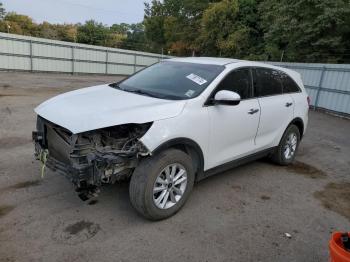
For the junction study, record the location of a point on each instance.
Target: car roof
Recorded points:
(229, 61)
(205, 60)
(220, 61)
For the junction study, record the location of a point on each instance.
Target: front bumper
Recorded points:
(90, 159)
(55, 152)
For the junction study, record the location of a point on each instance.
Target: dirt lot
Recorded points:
(239, 215)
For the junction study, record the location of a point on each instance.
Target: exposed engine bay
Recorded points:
(92, 158)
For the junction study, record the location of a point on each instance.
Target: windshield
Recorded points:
(172, 80)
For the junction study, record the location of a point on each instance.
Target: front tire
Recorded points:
(161, 184)
(288, 146)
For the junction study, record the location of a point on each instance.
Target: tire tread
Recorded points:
(139, 181)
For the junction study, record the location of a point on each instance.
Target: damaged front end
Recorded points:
(92, 158)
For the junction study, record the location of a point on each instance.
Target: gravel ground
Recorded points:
(239, 215)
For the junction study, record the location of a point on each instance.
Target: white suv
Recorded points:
(172, 124)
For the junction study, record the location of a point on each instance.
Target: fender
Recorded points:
(300, 124)
(191, 147)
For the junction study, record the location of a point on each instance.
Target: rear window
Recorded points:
(289, 86)
(268, 82)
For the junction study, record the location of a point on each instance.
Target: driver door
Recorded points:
(233, 128)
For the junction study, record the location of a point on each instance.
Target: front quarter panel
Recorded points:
(192, 124)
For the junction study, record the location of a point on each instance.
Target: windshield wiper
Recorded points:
(135, 91)
(146, 93)
(115, 85)
(141, 92)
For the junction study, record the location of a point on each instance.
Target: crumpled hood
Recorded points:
(103, 106)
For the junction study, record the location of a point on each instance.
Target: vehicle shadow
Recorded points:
(116, 197)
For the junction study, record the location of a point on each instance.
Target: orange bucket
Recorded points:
(337, 250)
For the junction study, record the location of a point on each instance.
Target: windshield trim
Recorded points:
(145, 93)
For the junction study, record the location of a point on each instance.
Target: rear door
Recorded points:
(233, 128)
(276, 107)
(301, 106)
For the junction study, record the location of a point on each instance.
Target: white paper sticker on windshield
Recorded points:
(189, 93)
(197, 79)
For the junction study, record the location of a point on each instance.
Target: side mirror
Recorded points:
(225, 97)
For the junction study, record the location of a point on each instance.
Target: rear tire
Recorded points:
(288, 146)
(171, 173)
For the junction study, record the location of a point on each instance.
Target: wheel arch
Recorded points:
(190, 147)
(299, 123)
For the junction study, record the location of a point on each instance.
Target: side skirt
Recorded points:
(235, 163)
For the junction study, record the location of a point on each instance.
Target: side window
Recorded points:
(289, 86)
(238, 81)
(268, 82)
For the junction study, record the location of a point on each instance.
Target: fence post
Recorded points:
(319, 87)
(31, 54)
(106, 72)
(135, 63)
(73, 69)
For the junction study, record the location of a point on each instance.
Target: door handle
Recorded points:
(253, 111)
(289, 104)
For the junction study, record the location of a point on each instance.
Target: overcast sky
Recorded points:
(74, 11)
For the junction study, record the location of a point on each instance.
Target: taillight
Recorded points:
(308, 101)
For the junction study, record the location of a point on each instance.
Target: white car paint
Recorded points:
(102, 106)
(223, 133)
(232, 131)
(274, 119)
(227, 95)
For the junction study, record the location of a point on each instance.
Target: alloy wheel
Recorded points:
(170, 186)
(290, 146)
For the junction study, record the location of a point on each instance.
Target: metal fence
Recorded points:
(44, 55)
(328, 85)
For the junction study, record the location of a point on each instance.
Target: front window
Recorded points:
(172, 80)
(238, 81)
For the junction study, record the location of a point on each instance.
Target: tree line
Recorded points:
(127, 36)
(288, 30)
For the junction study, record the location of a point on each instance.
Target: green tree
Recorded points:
(301, 30)
(136, 39)
(115, 40)
(119, 35)
(93, 33)
(21, 24)
(2, 11)
(67, 32)
(154, 23)
(47, 30)
(306, 30)
(218, 27)
(230, 28)
(226, 27)
(175, 24)
(121, 29)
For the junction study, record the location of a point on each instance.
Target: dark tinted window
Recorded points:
(238, 81)
(268, 82)
(289, 86)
